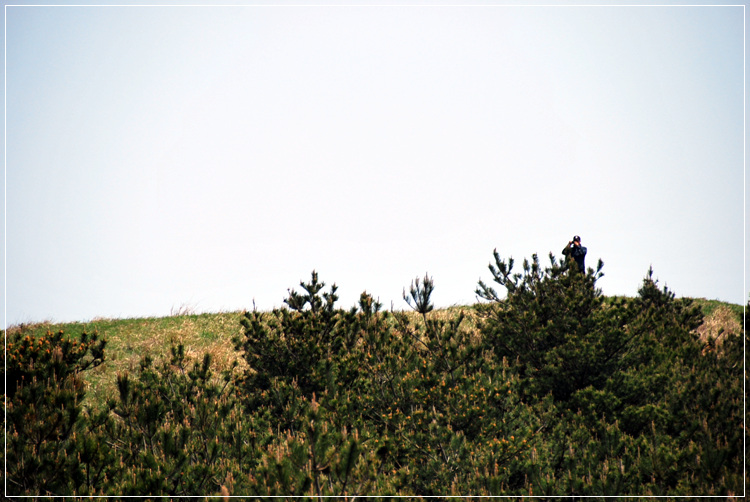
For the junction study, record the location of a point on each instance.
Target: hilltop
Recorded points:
(551, 390)
(128, 340)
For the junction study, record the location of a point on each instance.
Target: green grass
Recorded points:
(709, 306)
(128, 340)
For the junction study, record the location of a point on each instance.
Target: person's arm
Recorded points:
(566, 250)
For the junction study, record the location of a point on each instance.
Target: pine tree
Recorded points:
(46, 423)
(551, 325)
(178, 430)
(549, 390)
(633, 390)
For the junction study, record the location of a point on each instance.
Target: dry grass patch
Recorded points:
(128, 341)
(721, 323)
(468, 325)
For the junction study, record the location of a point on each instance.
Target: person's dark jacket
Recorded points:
(578, 253)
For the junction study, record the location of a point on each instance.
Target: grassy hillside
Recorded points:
(128, 340)
(551, 390)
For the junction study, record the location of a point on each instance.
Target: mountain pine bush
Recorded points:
(179, 431)
(632, 406)
(45, 429)
(548, 389)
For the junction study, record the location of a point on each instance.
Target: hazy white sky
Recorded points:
(214, 155)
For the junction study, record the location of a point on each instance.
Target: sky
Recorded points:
(210, 157)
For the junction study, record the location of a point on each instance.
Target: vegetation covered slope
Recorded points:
(550, 390)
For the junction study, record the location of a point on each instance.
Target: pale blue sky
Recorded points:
(216, 155)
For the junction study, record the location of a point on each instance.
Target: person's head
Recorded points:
(577, 240)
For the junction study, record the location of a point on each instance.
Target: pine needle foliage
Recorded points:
(45, 419)
(544, 388)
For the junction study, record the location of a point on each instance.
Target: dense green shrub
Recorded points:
(633, 391)
(178, 431)
(547, 390)
(45, 428)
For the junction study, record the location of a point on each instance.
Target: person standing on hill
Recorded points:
(577, 252)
